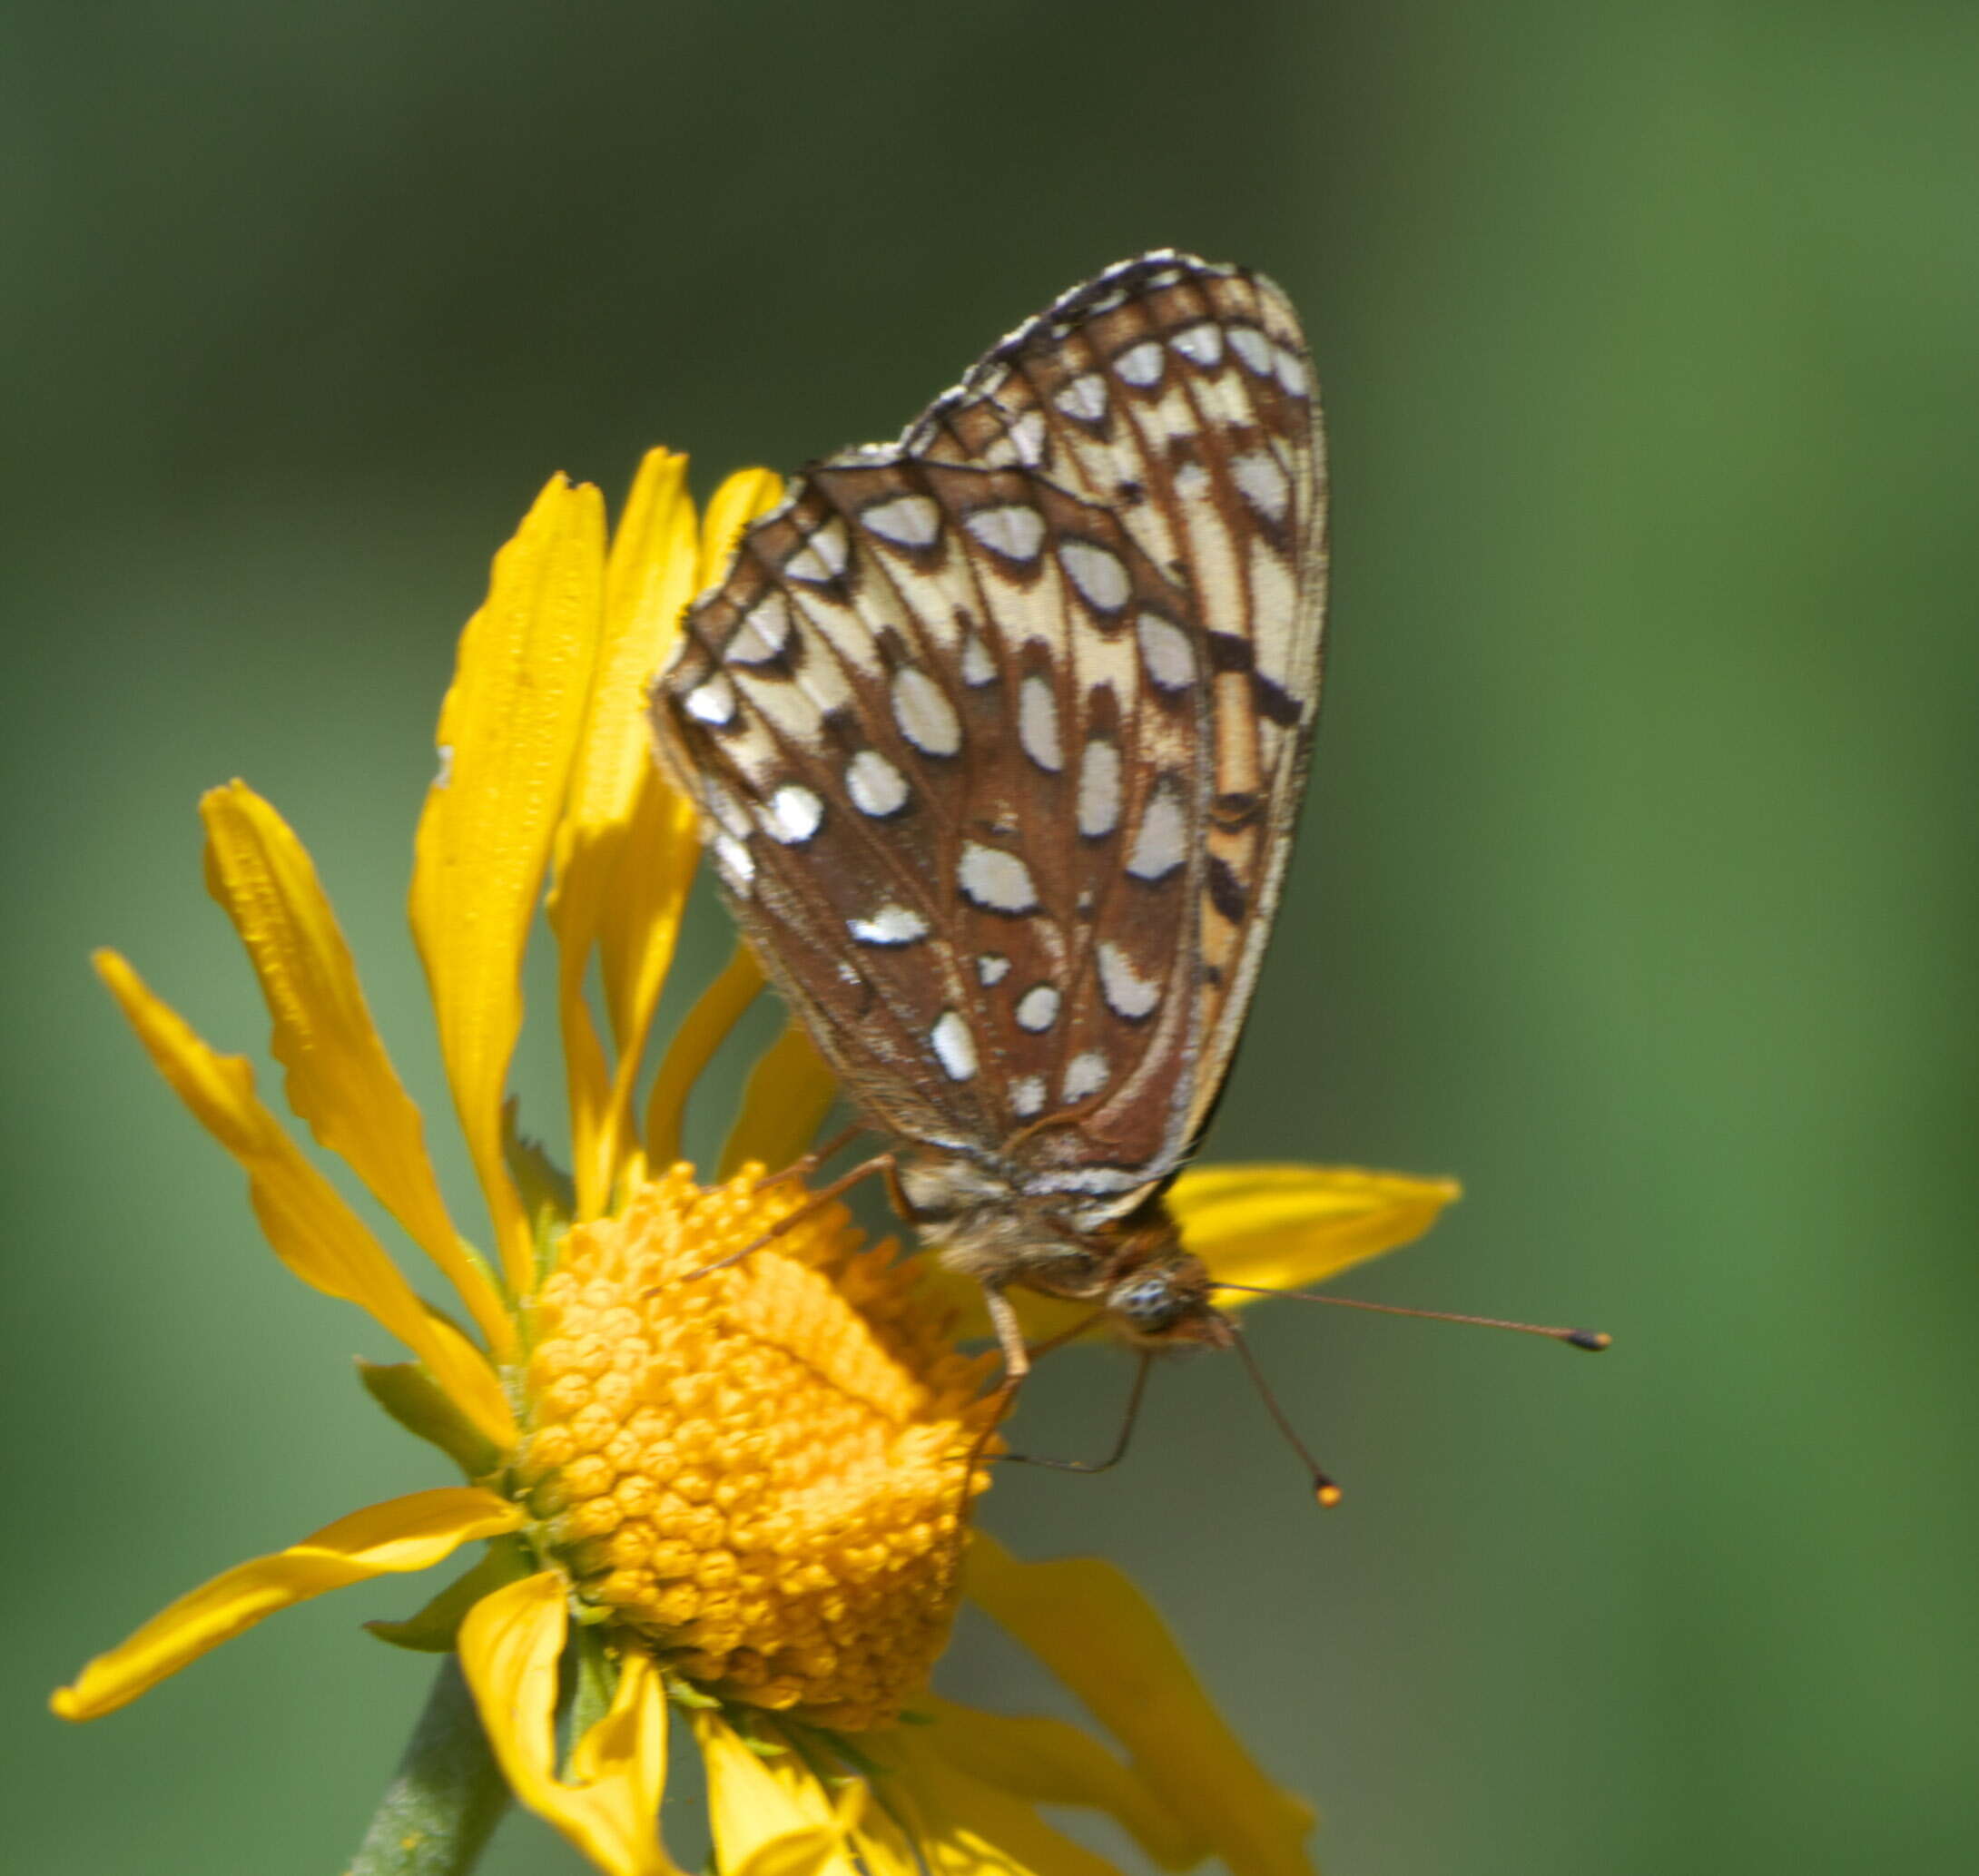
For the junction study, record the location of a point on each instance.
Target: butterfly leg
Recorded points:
(1127, 1423)
(803, 1168)
(880, 1163)
(1015, 1366)
(1010, 1334)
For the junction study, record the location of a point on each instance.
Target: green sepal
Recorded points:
(435, 1629)
(817, 1748)
(684, 1694)
(549, 1198)
(813, 1744)
(422, 1406)
(747, 1722)
(851, 1755)
(742, 1722)
(594, 1681)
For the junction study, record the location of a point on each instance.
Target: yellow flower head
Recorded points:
(741, 1492)
(762, 1472)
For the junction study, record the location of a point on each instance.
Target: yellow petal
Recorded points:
(933, 1814)
(925, 1813)
(715, 1012)
(648, 862)
(771, 1817)
(588, 1079)
(804, 1855)
(402, 1534)
(1100, 1635)
(638, 928)
(1285, 1226)
(508, 736)
(641, 922)
(311, 1228)
(788, 1095)
(623, 856)
(1052, 1761)
(340, 1078)
(649, 578)
(628, 1740)
(511, 1643)
(741, 498)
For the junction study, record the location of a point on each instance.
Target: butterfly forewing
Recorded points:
(999, 732)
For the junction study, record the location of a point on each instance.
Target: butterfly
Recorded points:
(998, 735)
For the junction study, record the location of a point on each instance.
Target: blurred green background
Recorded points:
(1637, 886)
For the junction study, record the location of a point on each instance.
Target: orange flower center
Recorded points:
(761, 1470)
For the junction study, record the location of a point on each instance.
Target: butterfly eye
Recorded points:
(1151, 1303)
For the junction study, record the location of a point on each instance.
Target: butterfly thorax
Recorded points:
(1133, 1267)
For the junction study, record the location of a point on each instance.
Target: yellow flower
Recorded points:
(745, 1497)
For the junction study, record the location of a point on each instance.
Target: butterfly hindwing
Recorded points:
(1182, 394)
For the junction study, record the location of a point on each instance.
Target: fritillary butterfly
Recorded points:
(998, 735)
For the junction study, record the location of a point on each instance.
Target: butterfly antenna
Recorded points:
(1593, 1340)
(1324, 1491)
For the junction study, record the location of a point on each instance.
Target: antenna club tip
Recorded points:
(1592, 1340)
(1327, 1494)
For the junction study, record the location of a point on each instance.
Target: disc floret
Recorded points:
(762, 1470)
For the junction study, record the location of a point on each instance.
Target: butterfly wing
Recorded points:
(997, 733)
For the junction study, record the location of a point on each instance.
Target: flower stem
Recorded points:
(445, 1799)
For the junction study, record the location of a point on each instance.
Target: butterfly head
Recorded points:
(1156, 1294)
(1165, 1304)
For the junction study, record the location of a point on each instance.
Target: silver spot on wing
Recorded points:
(923, 713)
(996, 881)
(1128, 993)
(891, 925)
(877, 788)
(1161, 842)
(1038, 723)
(793, 815)
(953, 1045)
(1038, 1008)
